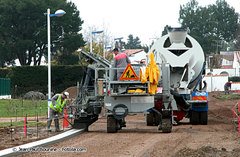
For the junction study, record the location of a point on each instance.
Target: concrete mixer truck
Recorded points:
(185, 59)
(177, 89)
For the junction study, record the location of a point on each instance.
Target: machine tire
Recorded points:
(195, 117)
(111, 124)
(157, 119)
(204, 117)
(149, 119)
(167, 125)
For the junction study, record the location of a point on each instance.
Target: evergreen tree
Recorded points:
(23, 29)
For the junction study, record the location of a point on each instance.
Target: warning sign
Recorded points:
(129, 74)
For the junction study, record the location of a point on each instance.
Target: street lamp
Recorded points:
(57, 13)
(96, 32)
(118, 38)
(118, 44)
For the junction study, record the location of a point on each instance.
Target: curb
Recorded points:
(26, 148)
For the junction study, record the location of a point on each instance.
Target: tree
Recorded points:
(105, 37)
(165, 30)
(23, 29)
(211, 25)
(133, 43)
(237, 42)
(5, 54)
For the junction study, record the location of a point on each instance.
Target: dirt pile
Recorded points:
(72, 92)
(207, 151)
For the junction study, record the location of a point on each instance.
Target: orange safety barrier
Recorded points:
(65, 122)
(233, 113)
(239, 125)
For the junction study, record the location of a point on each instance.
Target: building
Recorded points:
(216, 78)
(229, 64)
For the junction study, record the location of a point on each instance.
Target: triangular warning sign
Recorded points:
(129, 74)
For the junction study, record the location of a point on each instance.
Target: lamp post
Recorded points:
(119, 39)
(57, 13)
(118, 44)
(96, 32)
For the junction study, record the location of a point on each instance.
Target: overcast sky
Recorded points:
(143, 18)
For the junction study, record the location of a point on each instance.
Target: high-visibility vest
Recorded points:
(59, 104)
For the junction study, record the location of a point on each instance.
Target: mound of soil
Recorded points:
(72, 92)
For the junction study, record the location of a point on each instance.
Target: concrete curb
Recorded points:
(27, 148)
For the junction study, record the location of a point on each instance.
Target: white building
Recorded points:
(216, 78)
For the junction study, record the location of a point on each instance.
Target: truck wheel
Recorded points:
(111, 124)
(204, 117)
(195, 117)
(157, 119)
(149, 119)
(167, 125)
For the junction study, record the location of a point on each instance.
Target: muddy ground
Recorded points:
(218, 138)
(18, 136)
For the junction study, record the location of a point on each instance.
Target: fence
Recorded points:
(23, 121)
(5, 88)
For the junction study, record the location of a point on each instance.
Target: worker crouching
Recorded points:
(56, 109)
(227, 87)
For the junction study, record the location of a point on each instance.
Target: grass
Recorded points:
(21, 124)
(230, 96)
(21, 108)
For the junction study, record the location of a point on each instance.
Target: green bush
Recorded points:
(35, 78)
(3, 73)
(234, 79)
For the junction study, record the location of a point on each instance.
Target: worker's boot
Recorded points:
(57, 125)
(49, 122)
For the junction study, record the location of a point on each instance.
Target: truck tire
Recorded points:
(204, 117)
(157, 119)
(167, 125)
(111, 124)
(149, 119)
(195, 117)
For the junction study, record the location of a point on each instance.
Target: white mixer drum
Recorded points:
(183, 53)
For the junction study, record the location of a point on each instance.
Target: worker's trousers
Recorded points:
(53, 115)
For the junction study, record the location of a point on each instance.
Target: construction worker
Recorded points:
(227, 87)
(56, 108)
(120, 61)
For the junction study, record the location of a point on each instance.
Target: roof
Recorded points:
(226, 67)
(132, 51)
(127, 51)
(228, 57)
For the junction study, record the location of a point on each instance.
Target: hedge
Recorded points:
(35, 78)
(234, 79)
